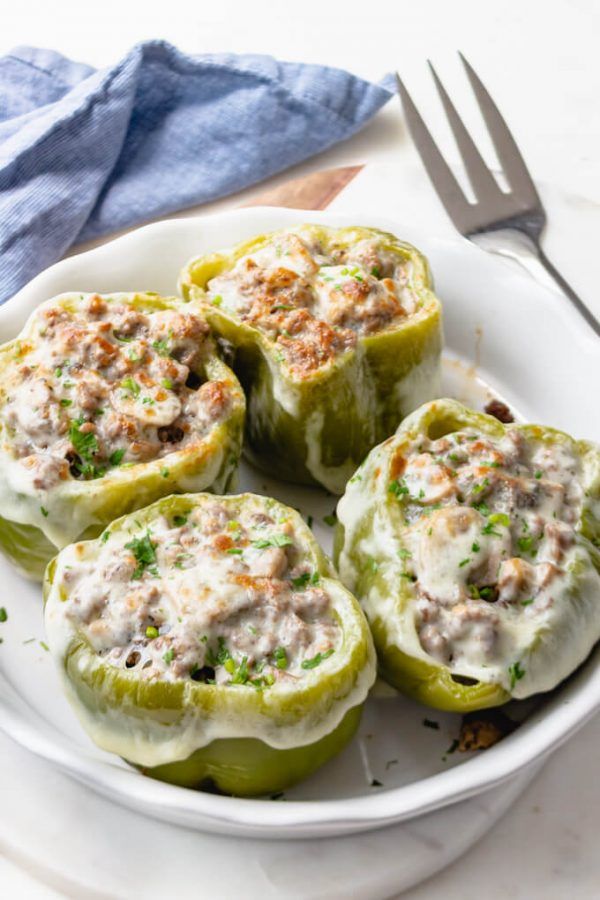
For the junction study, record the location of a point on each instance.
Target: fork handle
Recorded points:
(567, 290)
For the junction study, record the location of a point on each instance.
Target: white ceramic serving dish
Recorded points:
(505, 335)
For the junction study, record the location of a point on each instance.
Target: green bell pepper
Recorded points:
(250, 734)
(35, 522)
(540, 600)
(314, 426)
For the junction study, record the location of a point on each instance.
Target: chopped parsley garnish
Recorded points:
(527, 602)
(475, 548)
(216, 301)
(525, 544)
(144, 551)
(478, 488)
(500, 519)
(179, 521)
(116, 456)
(131, 385)
(403, 553)
(306, 578)
(66, 402)
(168, 656)
(331, 519)
(3, 614)
(105, 536)
(464, 562)
(488, 528)
(486, 593)
(161, 347)
(280, 657)
(235, 551)
(538, 474)
(44, 512)
(376, 272)
(85, 444)
(316, 660)
(398, 488)
(151, 632)
(275, 540)
(221, 656)
(164, 472)
(516, 673)
(483, 508)
(167, 384)
(241, 674)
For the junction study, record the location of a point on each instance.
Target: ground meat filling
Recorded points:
(491, 531)
(102, 384)
(313, 302)
(219, 595)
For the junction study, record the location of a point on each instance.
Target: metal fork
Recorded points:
(519, 209)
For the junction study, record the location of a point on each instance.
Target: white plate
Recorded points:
(503, 332)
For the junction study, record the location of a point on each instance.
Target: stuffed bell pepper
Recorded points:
(206, 640)
(473, 549)
(106, 404)
(336, 336)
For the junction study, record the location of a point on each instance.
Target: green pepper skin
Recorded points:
(374, 575)
(248, 767)
(169, 729)
(316, 429)
(81, 509)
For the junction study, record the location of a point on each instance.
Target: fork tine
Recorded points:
(482, 181)
(509, 154)
(446, 185)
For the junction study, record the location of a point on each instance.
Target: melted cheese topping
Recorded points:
(491, 552)
(224, 592)
(221, 595)
(96, 383)
(314, 303)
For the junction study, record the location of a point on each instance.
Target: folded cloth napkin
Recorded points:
(86, 152)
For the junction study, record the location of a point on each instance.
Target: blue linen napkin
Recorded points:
(86, 152)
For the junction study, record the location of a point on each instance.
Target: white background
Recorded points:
(541, 63)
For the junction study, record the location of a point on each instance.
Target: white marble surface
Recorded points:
(541, 63)
(545, 846)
